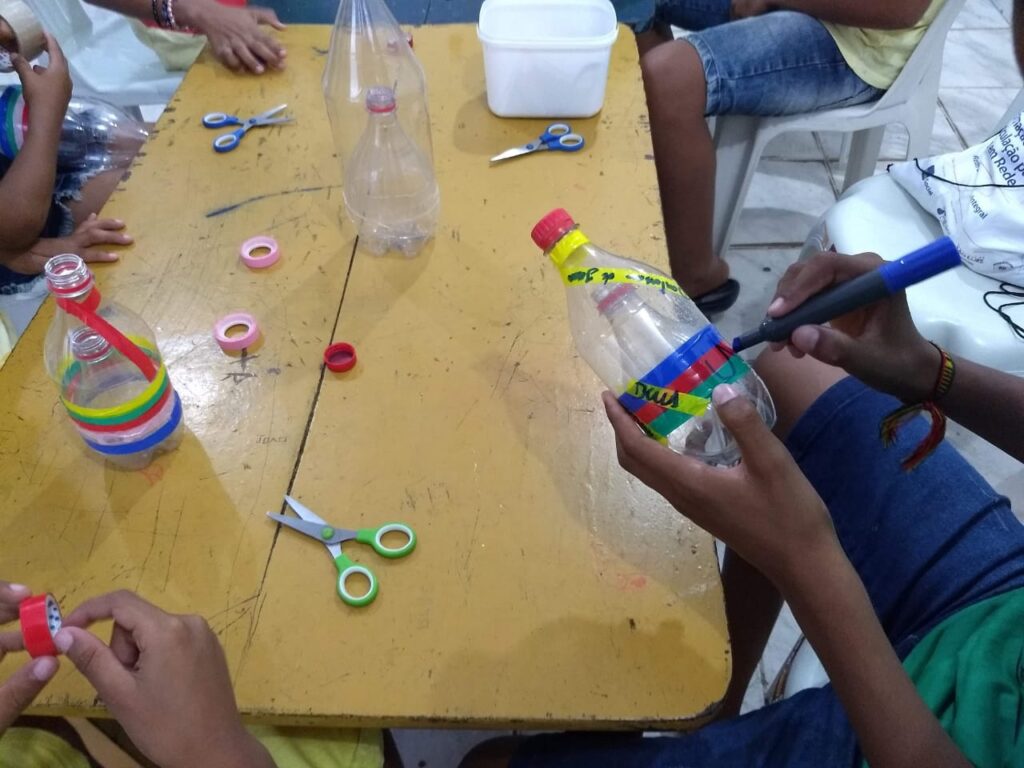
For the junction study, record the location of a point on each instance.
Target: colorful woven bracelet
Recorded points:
(892, 423)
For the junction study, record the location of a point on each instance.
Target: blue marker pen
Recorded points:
(889, 278)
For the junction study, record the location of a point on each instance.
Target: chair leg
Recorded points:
(864, 151)
(737, 150)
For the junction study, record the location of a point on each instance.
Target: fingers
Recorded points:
(248, 59)
(266, 16)
(97, 663)
(124, 647)
(827, 345)
(57, 60)
(11, 596)
(21, 66)
(760, 449)
(11, 642)
(92, 256)
(804, 279)
(126, 608)
(268, 51)
(21, 688)
(226, 55)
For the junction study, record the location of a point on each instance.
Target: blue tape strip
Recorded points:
(669, 369)
(8, 99)
(147, 442)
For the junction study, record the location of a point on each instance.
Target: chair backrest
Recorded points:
(927, 57)
(66, 20)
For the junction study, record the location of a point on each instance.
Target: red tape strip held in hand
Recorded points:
(40, 621)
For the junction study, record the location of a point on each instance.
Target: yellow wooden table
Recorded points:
(548, 588)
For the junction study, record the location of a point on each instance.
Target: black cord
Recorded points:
(1010, 291)
(932, 175)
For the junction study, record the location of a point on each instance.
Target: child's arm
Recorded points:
(236, 35)
(26, 190)
(771, 516)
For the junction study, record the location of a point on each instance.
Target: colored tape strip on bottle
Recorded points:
(251, 260)
(250, 331)
(150, 441)
(40, 620)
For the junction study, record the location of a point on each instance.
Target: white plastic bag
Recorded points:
(978, 197)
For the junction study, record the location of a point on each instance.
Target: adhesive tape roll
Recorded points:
(40, 620)
(26, 31)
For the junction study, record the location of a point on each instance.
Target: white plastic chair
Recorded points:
(741, 139)
(106, 59)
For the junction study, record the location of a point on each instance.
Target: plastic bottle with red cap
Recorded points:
(108, 371)
(391, 193)
(649, 343)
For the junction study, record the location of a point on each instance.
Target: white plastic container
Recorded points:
(546, 58)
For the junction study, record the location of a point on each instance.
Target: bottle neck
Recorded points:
(566, 246)
(68, 278)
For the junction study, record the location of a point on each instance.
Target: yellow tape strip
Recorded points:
(570, 242)
(669, 399)
(605, 275)
(119, 410)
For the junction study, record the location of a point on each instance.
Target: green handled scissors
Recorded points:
(316, 527)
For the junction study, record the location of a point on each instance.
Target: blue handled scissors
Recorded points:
(557, 137)
(311, 524)
(228, 141)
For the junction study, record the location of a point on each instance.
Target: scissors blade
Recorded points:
(311, 529)
(305, 512)
(263, 118)
(508, 154)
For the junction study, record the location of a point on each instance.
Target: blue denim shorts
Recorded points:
(926, 544)
(780, 63)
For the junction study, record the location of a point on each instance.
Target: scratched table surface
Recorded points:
(548, 588)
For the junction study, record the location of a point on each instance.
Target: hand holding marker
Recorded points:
(889, 278)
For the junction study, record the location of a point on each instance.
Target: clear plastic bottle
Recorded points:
(96, 136)
(649, 343)
(391, 194)
(370, 50)
(108, 371)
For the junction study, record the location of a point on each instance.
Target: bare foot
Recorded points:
(697, 285)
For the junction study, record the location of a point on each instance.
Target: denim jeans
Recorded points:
(780, 63)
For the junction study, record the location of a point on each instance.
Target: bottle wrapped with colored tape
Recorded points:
(649, 344)
(108, 371)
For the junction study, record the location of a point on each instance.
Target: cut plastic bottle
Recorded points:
(370, 50)
(96, 136)
(391, 194)
(108, 371)
(649, 344)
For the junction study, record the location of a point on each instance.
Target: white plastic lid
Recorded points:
(546, 22)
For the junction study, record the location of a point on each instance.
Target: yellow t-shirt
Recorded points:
(877, 55)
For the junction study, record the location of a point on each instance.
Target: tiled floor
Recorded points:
(798, 180)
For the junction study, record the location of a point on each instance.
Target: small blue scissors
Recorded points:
(311, 524)
(228, 141)
(557, 136)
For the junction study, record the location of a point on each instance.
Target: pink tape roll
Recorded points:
(232, 343)
(255, 243)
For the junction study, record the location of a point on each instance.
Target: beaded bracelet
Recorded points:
(891, 423)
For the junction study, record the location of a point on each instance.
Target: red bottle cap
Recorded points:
(551, 228)
(40, 621)
(340, 357)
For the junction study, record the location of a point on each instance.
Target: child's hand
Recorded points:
(47, 89)
(18, 691)
(165, 679)
(90, 233)
(764, 508)
(237, 37)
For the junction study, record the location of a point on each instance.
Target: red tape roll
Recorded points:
(40, 621)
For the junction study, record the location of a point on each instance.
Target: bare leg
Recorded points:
(95, 194)
(685, 159)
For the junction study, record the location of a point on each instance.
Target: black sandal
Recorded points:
(719, 299)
